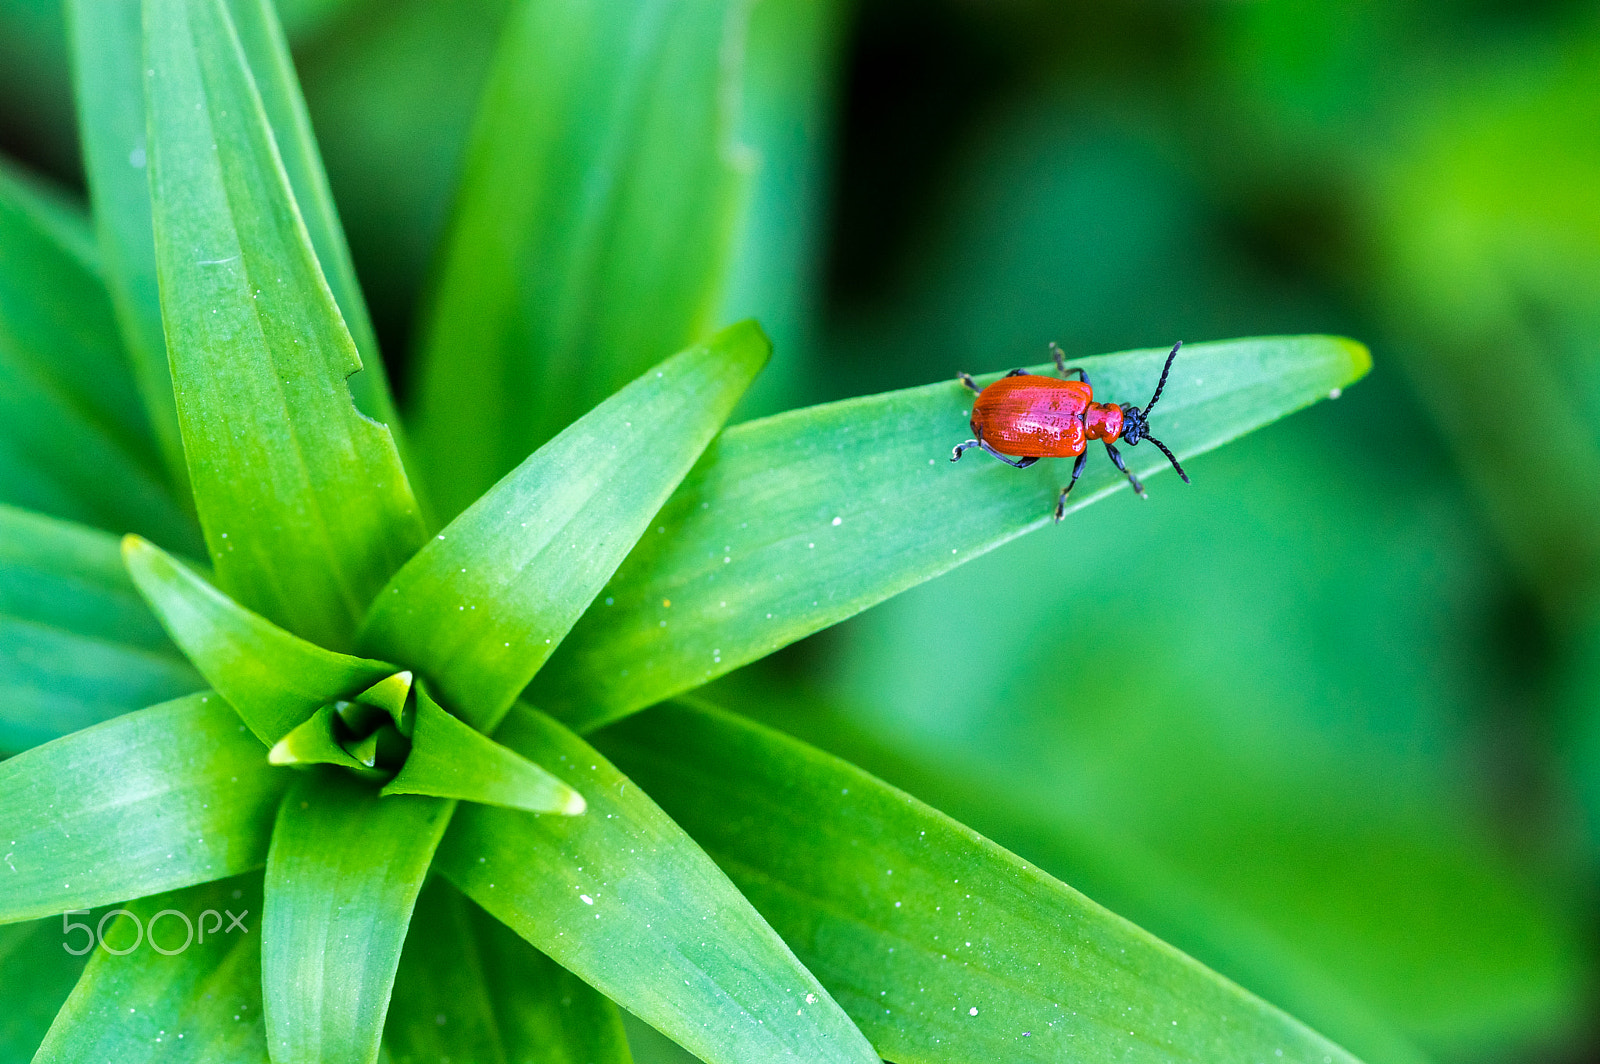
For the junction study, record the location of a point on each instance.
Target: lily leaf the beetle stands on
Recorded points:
(431, 737)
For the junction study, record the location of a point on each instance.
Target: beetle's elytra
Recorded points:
(1031, 417)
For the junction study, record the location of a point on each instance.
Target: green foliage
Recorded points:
(604, 528)
(450, 760)
(859, 498)
(623, 898)
(259, 351)
(941, 945)
(345, 867)
(484, 603)
(38, 975)
(121, 810)
(470, 989)
(592, 229)
(77, 645)
(73, 442)
(274, 679)
(147, 1005)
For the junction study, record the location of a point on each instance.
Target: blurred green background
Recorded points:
(1328, 719)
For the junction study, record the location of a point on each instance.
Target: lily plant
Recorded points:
(436, 752)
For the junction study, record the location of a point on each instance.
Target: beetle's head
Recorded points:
(1136, 423)
(1134, 426)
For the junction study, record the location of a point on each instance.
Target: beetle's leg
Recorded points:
(1017, 373)
(961, 448)
(967, 381)
(1061, 364)
(1020, 463)
(1077, 471)
(1116, 457)
(1059, 355)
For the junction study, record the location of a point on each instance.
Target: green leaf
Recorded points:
(163, 798)
(273, 678)
(470, 990)
(399, 80)
(622, 898)
(787, 105)
(795, 522)
(313, 742)
(36, 975)
(77, 644)
(107, 48)
(56, 210)
(304, 502)
(481, 607)
(450, 760)
(593, 228)
(940, 944)
(188, 986)
(73, 439)
(262, 40)
(108, 72)
(342, 877)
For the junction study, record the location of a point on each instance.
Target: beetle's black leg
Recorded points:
(1063, 368)
(966, 380)
(1117, 458)
(1020, 463)
(1059, 355)
(955, 456)
(1017, 373)
(1077, 471)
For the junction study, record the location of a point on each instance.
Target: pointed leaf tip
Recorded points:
(273, 678)
(450, 760)
(1360, 357)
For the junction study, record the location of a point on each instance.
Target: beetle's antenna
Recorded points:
(1169, 454)
(1162, 383)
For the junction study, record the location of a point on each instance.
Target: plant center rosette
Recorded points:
(396, 734)
(376, 720)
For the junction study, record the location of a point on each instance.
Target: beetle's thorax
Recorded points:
(1103, 421)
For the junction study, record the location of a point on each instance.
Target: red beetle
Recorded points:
(1032, 417)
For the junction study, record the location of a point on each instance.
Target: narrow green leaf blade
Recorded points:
(163, 798)
(275, 679)
(469, 989)
(73, 438)
(189, 985)
(481, 607)
(108, 66)
(305, 505)
(787, 114)
(262, 40)
(108, 72)
(593, 228)
(795, 522)
(342, 878)
(621, 897)
(940, 944)
(450, 760)
(77, 643)
(36, 975)
(312, 742)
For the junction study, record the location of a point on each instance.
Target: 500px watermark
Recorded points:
(146, 932)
